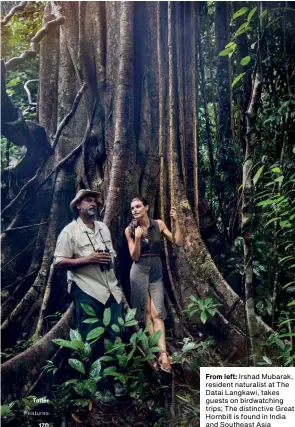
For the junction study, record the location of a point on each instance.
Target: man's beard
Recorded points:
(91, 212)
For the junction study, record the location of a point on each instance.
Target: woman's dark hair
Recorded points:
(141, 199)
(133, 224)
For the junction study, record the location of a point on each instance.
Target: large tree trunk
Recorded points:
(112, 144)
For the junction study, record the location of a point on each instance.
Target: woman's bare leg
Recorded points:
(148, 316)
(159, 325)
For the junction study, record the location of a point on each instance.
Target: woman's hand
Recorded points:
(173, 214)
(138, 232)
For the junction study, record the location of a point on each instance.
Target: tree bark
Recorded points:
(130, 68)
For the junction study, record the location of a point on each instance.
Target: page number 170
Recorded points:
(43, 425)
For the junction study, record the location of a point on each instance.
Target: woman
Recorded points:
(146, 278)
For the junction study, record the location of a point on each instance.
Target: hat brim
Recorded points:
(80, 197)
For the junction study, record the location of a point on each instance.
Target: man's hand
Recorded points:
(138, 232)
(99, 258)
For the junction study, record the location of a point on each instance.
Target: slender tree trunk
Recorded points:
(247, 208)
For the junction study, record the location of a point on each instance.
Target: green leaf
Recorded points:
(230, 44)
(90, 320)
(251, 13)
(287, 320)
(115, 328)
(145, 342)
(78, 365)
(237, 79)
(272, 220)
(267, 360)
(120, 377)
(79, 389)
(130, 315)
(13, 82)
(133, 337)
(64, 343)
(87, 349)
(240, 12)
(203, 317)
(187, 347)
(245, 61)
(88, 309)
(264, 13)
(95, 333)
(226, 52)
(78, 344)
(75, 335)
(95, 369)
(154, 338)
(109, 370)
(115, 347)
(120, 321)
(289, 284)
(243, 30)
(90, 385)
(288, 335)
(258, 175)
(279, 179)
(131, 353)
(69, 382)
(194, 299)
(106, 359)
(131, 323)
(286, 258)
(107, 317)
(285, 224)
(265, 202)
(123, 359)
(276, 170)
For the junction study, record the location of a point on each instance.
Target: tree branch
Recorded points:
(18, 8)
(55, 142)
(66, 120)
(18, 369)
(64, 160)
(32, 52)
(31, 103)
(22, 190)
(25, 226)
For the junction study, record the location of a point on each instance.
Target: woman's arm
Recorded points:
(167, 233)
(134, 245)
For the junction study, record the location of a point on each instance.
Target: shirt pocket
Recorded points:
(83, 247)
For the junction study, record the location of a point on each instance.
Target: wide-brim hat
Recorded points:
(81, 194)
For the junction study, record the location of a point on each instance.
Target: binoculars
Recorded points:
(104, 267)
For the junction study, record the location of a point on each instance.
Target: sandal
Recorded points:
(166, 366)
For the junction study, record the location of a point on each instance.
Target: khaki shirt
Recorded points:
(74, 243)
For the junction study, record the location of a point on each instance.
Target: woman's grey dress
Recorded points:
(146, 275)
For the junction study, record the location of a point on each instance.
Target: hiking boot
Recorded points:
(107, 398)
(119, 389)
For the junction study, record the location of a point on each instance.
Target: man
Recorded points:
(84, 248)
